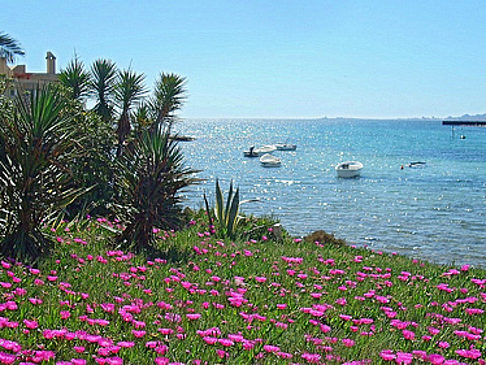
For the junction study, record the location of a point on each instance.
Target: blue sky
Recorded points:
(285, 58)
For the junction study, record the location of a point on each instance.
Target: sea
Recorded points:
(434, 212)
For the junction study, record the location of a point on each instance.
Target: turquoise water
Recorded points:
(437, 212)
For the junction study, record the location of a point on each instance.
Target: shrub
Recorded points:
(93, 169)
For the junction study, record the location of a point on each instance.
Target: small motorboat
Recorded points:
(268, 160)
(417, 164)
(255, 152)
(286, 146)
(349, 169)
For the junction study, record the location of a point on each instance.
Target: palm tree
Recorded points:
(9, 47)
(104, 75)
(169, 96)
(76, 78)
(128, 91)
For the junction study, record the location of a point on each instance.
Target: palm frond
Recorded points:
(9, 47)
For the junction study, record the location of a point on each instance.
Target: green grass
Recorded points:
(195, 272)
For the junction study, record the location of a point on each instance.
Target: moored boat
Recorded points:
(259, 151)
(286, 146)
(269, 160)
(349, 169)
(417, 164)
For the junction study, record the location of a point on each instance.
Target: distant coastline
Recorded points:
(464, 117)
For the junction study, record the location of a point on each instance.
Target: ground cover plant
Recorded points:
(208, 300)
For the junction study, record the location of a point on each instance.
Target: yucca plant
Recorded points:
(128, 92)
(169, 96)
(148, 184)
(226, 216)
(36, 150)
(76, 79)
(102, 86)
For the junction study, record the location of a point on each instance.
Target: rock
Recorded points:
(323, 237)
(277, 232)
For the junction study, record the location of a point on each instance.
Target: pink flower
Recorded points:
(470, 354)
(138, 334)
(193, 316)
(436, 359)
(312, 358)
(444, 345)
(31, 324)
(387, 355)
(210, 340)
(271, 348)
(409, 335)
(126, 344)
(78, 361)
(348, 342)
(226, 342)
(65, 314)
(222, 354)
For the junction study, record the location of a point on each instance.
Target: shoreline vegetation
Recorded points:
(115, 272)
(197, 298)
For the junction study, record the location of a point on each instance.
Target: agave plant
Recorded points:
(148, 184)
(225, 215)
(36, 150)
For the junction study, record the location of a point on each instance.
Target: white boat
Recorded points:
(286, 146)
(268, 160)
(415, 164)
(349, 169)
(255, 152)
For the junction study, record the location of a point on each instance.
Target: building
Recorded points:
(28, 81)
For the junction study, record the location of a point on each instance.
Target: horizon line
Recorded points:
(326, 117)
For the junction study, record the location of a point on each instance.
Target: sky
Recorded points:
(276, 59)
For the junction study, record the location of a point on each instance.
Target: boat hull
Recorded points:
(286, 147)
(268, 160)
(256, 152)
(347, 174)
(349, 169)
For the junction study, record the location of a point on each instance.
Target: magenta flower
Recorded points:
(469, 354)
(436, 359)
(271, 348)
(193, 316)
(387, 355)
(30, 324)
(138, 334)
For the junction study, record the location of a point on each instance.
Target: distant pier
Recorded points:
(464, 123)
